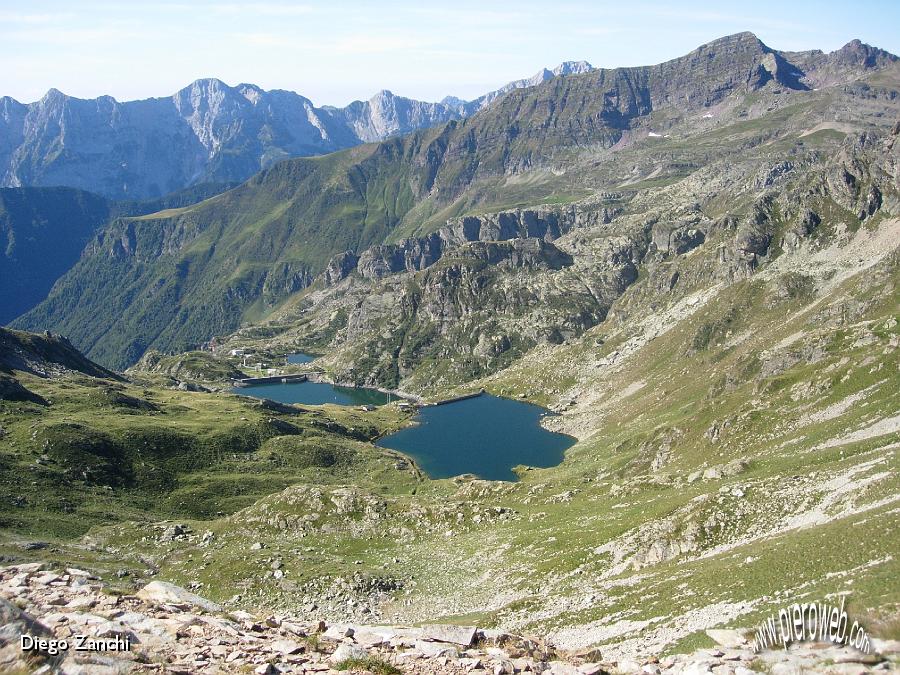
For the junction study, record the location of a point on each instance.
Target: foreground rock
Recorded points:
(160, 592)
(166, 629)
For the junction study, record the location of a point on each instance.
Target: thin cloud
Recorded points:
(266, 39)
(77, 36)
(472, 17)
(713, 16)
(264, 9)
(602, 30)
(379, 44)
(32, 18)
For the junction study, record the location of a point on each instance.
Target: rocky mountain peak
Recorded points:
(53, 97)
(452, 101)
(386, 114)
(735, 46)
(208, 84)
(563, 69)
(250, 92)
(467, 108)
(207, 90)
(745, 37)
(385, 100)
(572, 68)
(11, 110)
(858, 53)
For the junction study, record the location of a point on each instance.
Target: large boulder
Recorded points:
(164, 593)
(463, 636)
(347, 651)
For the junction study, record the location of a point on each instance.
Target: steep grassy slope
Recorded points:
(185, 275)
(238, 253)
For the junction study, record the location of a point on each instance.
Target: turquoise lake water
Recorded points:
(486, 436)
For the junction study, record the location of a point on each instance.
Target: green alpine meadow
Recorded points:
(597, 372)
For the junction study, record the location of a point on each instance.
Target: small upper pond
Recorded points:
(313, 393)
(300, 358)
(485, 435)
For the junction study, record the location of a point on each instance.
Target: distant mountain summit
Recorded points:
(386, 115)
(466, 108)
(208, 132)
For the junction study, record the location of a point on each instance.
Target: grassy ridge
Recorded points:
(105, 451)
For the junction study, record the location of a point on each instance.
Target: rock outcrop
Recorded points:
(165, 629)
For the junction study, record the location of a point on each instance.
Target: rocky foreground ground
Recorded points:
(163, 628)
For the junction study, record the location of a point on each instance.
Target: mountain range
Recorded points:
(173, 280)
(207, 132)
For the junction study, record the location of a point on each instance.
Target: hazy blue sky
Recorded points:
(334, 52)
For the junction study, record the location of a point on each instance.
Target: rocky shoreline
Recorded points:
(163, 628)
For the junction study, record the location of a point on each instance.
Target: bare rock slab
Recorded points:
(162, 592)
(730, 639)
(457, 635)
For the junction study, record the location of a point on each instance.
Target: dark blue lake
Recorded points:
(300, 358)
(486, 436)
(313, 393)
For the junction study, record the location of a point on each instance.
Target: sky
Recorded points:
(335, 52)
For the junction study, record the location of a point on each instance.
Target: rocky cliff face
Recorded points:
(386, 115)
(417, 253)
(479, 292)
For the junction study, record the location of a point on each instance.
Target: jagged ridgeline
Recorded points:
(206, 132)
(599, 142)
